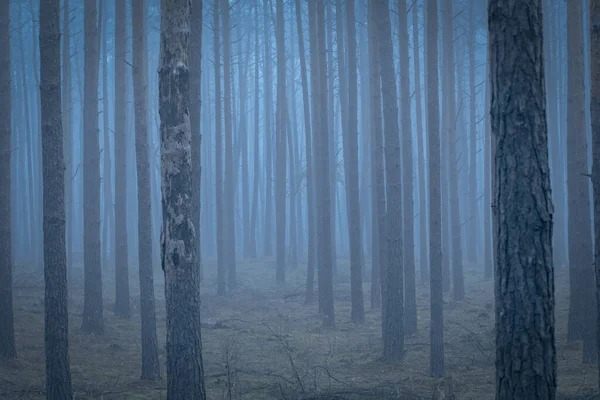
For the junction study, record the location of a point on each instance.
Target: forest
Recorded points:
(300, 199)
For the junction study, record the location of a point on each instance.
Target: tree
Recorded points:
(150, 363)
(436, 329)
(267, 76)
(579, 221)
(525, 368)
(393, 276)
(121, 249)
(92, 300)
(228, 217)
(67, 112)
(56, 333)
(256, 163)
(7, 335)
(474, 224)
(594, 15)
(280, 143)
(221, 286)
(185, 373)
(410, 315)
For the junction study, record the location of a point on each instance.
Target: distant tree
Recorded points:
(121, 248)
(594, 15)
(410, 294)
(474, 235)
(525, 368)
(56, 332)
(92, 300)
(256, 161)
(579, 219)
(185, 373)
(7, 333)
(267, 77)
(150, 363)
(228, 216)
(436, 329)
(221, 265)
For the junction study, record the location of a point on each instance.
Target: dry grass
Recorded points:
(264, 343)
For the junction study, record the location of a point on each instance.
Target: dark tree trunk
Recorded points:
(393, 295)
(150, 363)
(221, 265)
(436, 329)
(525, 368)
(56, 333)
(67, 112)
(410, 315)
(92, 301)
(185, 373)
(7, 333)
(121, 252)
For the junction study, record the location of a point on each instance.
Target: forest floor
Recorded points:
(262, 342)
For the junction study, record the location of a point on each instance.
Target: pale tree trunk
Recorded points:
(525, 368)
(150, 363)
(393, 295)
(331, 128)
(319, 111)
(67, 112)
(280, 143)
(473, 238)
(377, 166)
(92, 303)
(579, 224)
(458, 286)
(242, 142)
(195, 54)
(487, 177)
(310, 199)
(7, 333)
(56, 332)
(436, 329)
(229, 214)
(122, 307)
(410, 315)
(221, 265)
(185, 373)
(290, 134)
(109, 216)
(267, 76)
(423, 249)
(594, 14)
(256, 161)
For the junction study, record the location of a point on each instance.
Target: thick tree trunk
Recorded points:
(7, 335)
(310, 188)
(526, 368)
(280, 143)
(150, 363)
(229, 215)
(393, 295)
(121, 251)
(410, 315)
(436, 329)
(67, 110)
(56, 332)
(579, 225)
(221, 264)
(185, 373)
(92, 301)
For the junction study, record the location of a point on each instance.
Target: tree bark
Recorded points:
(267, 76)
(92, 301)
(56, 332)
(436, 329)
(185, 373)
(67, 112)
(525, 368)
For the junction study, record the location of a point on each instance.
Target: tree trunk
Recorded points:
(56, 333)
(331, 128)
(393, 295)
(436, 329)
(487, 177)
(221, 264)
(67, 112)
(267, 76)
(185, 373)
(473, 224)
(7, 335)
(310, 199)
(525, 368)
(92, 301)
(150, 363)
(579, 225)
(410, 316)
(423, 249)
(256, 155)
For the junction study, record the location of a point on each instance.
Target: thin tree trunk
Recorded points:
(221, 265)
(474, 224)
(109, 217)
(256, 161)
(267, 76)
(185, 372)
